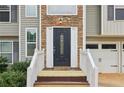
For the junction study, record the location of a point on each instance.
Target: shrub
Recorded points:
(15, 76)
(3, 60)
(3, 64)
(20, 66)
(12, 79)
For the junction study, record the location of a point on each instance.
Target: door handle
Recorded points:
(114, 50)
(114, 65)
(54, 49)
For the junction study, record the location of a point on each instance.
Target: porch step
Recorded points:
(61, 73)
(62, 78)
(61, 84)
(51, 78)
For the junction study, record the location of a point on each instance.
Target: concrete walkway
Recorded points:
(111, 80)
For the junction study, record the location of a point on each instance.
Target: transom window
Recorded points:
(31, 41)
(31, 11)
(5, 12)
(6, 50)
(91, 46)
(108, 46)
(61, 10)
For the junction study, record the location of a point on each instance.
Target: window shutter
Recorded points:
(14, 13)
(110, 12)
(15, 52)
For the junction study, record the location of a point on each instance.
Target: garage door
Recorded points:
(106, 57)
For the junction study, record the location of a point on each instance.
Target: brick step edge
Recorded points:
(61, 83)
(69, 79)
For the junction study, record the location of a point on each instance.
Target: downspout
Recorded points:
(40, 40)
(19, 32)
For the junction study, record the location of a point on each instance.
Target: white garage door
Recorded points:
(106, 57)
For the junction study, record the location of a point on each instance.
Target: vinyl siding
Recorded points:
(93, 19)
(9, 29)
(27, 22)
(112, 27)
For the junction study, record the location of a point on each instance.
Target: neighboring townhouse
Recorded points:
(9, 32)
(105, 36)
(19, 31)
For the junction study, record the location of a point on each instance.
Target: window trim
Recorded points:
(26, 43)
(36, 13)
(9, 14)
(63, 14)
(10, 41)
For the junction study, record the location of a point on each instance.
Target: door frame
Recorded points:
(74, 46)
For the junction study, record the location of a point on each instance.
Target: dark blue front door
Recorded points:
(61, 46)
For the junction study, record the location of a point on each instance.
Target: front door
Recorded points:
(61, 46)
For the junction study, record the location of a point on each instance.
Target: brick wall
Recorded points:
(71, 21)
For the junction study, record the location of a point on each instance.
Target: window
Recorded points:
(30, 41)
(92, 46)
(5, 13)
(115, 12)
(119, 13)
(62, 10)
(31, 11)
(6, 50)
(108, 46)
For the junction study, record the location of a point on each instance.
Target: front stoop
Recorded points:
(61, 78)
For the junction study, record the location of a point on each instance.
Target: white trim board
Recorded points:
(49, 46)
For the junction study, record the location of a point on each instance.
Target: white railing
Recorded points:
(87, 64)
(37, 64)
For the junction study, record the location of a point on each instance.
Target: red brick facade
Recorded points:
(67, 21)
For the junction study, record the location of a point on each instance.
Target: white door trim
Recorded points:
(49, 46)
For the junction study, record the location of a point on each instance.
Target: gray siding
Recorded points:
(114, 27)
(9, 28)
(93, 19)
(27, 22)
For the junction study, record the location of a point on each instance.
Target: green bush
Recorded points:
(20, 66)
(12, 79)
(3, 64)
(3, 60)
(15, 75)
